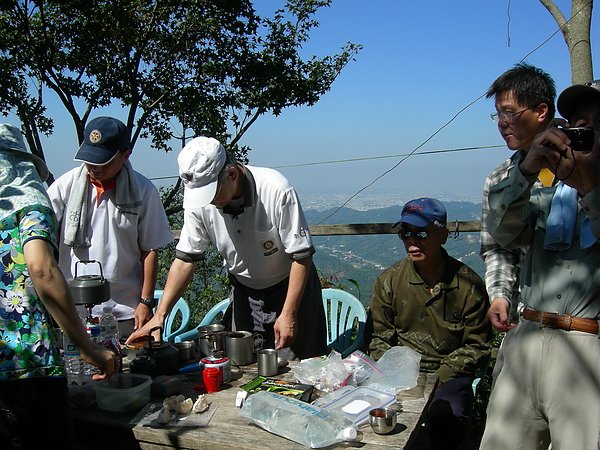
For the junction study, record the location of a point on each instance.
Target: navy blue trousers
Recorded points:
(449, 412)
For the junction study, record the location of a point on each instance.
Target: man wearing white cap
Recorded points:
(548, 390)
(112, 214)
(253, 217)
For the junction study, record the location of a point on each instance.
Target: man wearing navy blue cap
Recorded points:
(437, 306)
(112, 214)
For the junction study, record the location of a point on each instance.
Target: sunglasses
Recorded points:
(419, 234)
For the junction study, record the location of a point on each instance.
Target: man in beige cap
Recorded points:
(253, 217)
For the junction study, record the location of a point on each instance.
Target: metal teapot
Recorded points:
(89, 289)
(156, 358)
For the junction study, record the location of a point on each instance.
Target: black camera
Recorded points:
(582, 138)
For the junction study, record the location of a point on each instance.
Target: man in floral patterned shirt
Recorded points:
(34, 408)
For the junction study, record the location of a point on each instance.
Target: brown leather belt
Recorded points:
(564, 322)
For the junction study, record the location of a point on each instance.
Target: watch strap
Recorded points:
(150, 302)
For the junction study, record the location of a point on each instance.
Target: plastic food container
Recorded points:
(123, 392)
(355, 404)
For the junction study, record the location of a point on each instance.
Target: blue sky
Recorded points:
(421, 64)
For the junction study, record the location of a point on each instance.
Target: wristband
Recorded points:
(149, 302)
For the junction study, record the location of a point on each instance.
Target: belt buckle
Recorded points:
(541, 321)
(568, 320)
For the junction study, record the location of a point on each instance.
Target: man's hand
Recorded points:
(106, 360)
(286, 330)
(499, 314)
(547, 152)
(145, 330)
(142, 316)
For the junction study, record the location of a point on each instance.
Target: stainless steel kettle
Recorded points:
(89, 289)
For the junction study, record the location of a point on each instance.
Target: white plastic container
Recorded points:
(123, 392)
(355, 403)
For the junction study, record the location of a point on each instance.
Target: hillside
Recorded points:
(362, 258)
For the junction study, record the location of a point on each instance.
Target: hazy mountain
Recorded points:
(362, 258)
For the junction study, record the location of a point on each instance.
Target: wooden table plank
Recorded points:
(228, 429)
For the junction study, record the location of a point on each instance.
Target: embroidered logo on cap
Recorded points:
(95, 136)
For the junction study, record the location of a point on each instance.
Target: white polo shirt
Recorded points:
(259, 244)
(117, 239)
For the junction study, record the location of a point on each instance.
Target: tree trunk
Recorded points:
(576, 33)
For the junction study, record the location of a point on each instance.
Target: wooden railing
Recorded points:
(384, 228)
(343, 229)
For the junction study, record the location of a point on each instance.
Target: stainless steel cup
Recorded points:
(239, 346)
(267, 362)
(383, 420)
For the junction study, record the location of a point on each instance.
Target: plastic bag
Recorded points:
(399, 370)
(361, 367)
(326, 373)
(396, 370)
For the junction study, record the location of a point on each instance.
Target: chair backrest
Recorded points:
(211, 317)
(182, 309)
(346, 319)
(213, 313)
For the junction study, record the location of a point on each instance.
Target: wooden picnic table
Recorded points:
(227, 428)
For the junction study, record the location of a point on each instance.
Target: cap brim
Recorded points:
(40, 165)
(415, 221)
(194, 198)
(94, 154)
(569, 98)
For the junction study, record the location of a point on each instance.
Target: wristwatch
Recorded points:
(150, 302)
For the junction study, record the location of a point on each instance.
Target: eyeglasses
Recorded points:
(508, 117)
(416, 234)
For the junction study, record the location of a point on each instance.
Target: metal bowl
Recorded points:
(187, 350)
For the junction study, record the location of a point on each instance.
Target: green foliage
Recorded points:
(180, 68)
(334, 281)
(196, 66)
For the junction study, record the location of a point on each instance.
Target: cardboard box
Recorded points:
(288, 388)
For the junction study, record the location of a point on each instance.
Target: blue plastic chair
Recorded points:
(346, 318)
(211, 316)
(183, 309)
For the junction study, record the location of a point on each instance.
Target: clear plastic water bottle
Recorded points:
(296, 420)
(109, 326)
(72, 361)
(96, 337)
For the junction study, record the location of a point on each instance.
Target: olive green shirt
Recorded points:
(447, 326)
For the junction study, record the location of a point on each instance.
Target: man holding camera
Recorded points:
(548, 388)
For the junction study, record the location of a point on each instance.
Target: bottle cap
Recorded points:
(94, 330)
(349, 433)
